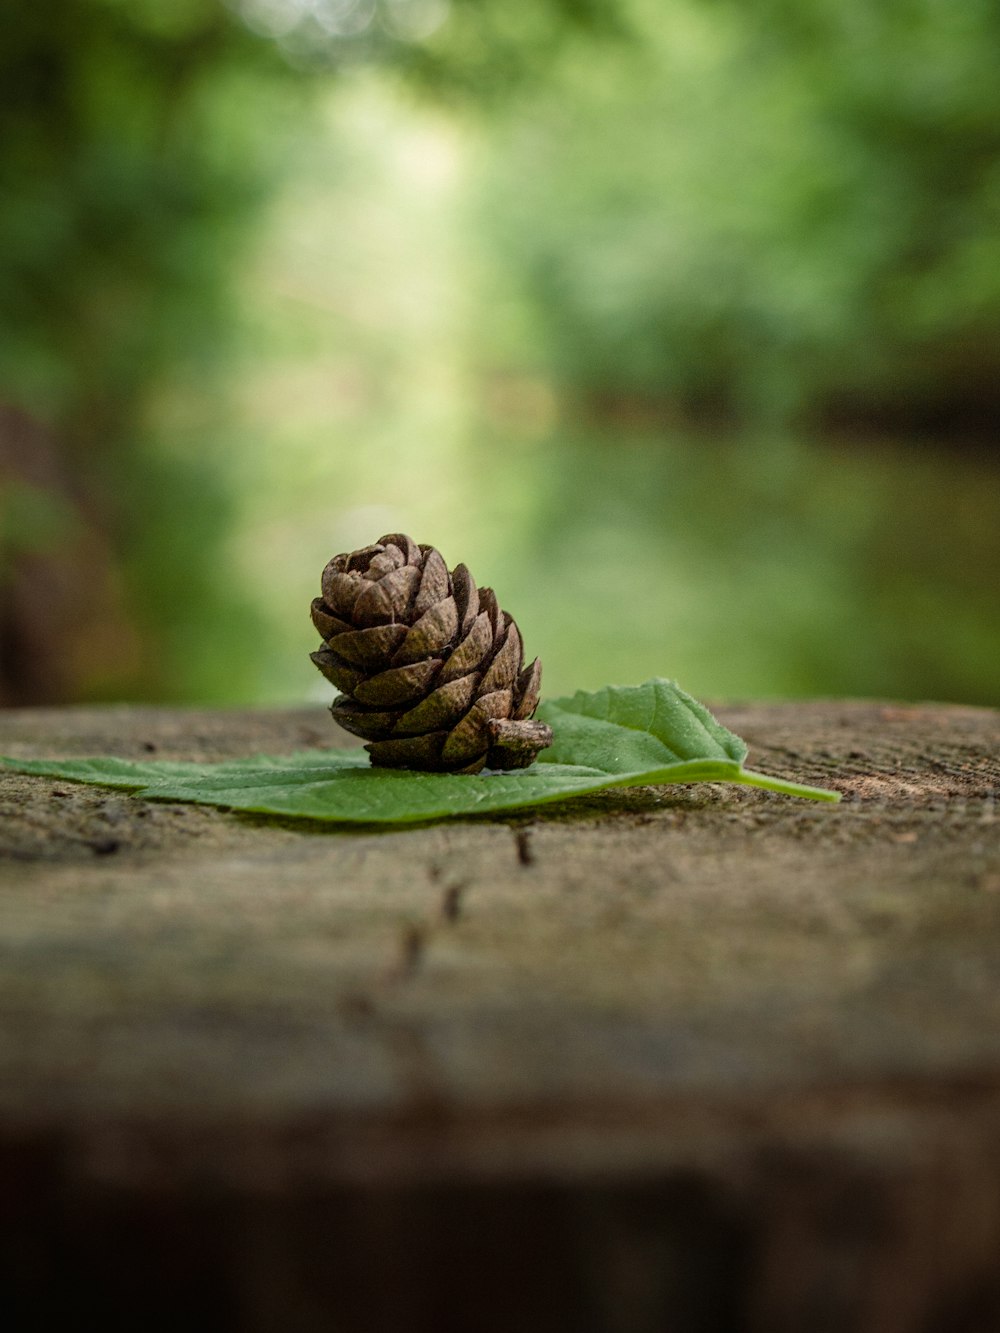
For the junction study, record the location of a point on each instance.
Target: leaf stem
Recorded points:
(753, 779)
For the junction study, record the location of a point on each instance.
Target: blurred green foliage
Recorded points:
(771, 212)
(136, 137)
(585, 294)
(140, 140)
(130, 163)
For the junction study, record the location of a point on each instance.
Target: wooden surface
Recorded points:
(679, 1059)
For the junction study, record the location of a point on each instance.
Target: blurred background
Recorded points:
(677, 320)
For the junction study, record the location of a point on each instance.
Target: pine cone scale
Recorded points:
(386, 601)
(406, 546)
(441, 709)
(489, 604)
(430, 666)
(325, 623)
(398, 685)
(473, 651)
(528, 685)
(502, 671)
(466, 740)
(466, 597)
(386, 561)
(337, 671)
(409, 751)
(368, 723)
(433, 633)
(368, 648)
(435, 584)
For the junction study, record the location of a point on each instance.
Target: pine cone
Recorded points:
(430, 668)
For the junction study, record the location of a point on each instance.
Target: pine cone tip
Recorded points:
(431, 670)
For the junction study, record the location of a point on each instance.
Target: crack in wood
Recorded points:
(451, 901)
(410, 951)
(525, 851)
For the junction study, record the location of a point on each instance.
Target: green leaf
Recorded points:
(638, 736)
(635, 728)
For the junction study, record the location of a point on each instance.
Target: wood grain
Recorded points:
(675, 1059)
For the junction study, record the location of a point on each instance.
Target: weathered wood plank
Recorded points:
(696, 1058)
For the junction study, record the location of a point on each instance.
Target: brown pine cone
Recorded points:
(432, 671)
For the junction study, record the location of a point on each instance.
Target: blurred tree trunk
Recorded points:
(63, 620)
(117, 234)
